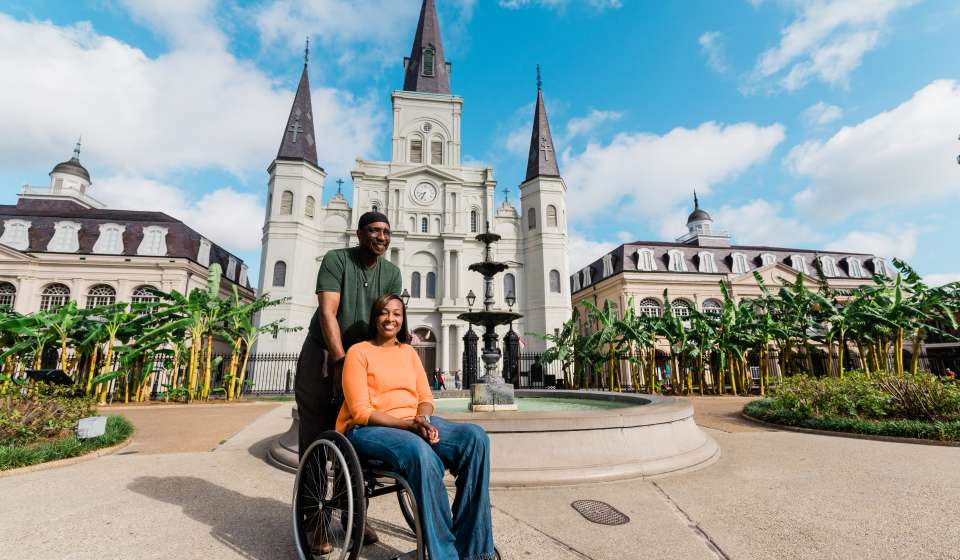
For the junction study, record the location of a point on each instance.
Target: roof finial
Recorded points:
(306, 52)
(339, 186)
(539, 81)
(696, 203)
(76, 149)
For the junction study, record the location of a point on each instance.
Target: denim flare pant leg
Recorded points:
(464, 449)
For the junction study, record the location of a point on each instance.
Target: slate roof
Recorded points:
(299, 140)
(73, 167)
(428, 35)
(623, 258)
(181, 240)
(542, 161)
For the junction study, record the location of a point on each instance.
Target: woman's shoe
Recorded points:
(321, 547)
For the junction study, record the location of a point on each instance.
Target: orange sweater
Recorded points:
(386, 379)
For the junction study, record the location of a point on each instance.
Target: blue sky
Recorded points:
(801, 123)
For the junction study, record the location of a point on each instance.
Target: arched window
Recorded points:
(110, 241)
(428, 61)
(310, 208)
(531, 218)
(650, 307)
(828, 266)
(286, 202)
(101, 295)
(142, 294)
(767, 259)
(474, 221)
(436, 152)
(65, 238)
(555, 282)
(798, 263)
(677, 262)
(54, 296)
(551, 215)
(416, 151)
(509, 285)
(739, 263)
(15, 234)
(431, 285)
(854, 267)
(707, 264)
(680, 307)
(154, 242)
(645, 260)
(712, 306)
(415, 285)
(374, 208)
(8, 295)
(424, 225)
(879, 266)
(279, 274)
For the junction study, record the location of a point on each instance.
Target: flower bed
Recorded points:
(915, 406)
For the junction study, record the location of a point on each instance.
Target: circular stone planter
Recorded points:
(655, 437)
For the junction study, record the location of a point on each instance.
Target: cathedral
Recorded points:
(436, 207)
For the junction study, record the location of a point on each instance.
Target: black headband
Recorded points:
(372, 218)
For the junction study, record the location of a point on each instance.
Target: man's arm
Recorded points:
(329, 303)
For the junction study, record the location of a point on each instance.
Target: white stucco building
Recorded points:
(435, 205)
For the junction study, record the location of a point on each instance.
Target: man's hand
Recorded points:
(335, 368)
(426, 430)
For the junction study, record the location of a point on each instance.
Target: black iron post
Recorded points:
(511, 357)
(469, 358)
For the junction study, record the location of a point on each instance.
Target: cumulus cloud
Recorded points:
(218, 214)
(821, 114)
(583, 250)
(827, 41)
(599, 5)
(939, 279)
(757, 222)
(195, 106)
(901, 244)
(583, 126)
(713, 48)
(902, 157)
(640, 174)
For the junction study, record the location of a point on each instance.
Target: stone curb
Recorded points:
(853, 435)
(70, 460)
(171, 406)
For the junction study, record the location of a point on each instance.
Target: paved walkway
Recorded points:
(773, 494)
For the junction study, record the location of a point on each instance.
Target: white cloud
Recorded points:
(902, 157)
(827, 41)
(582, 126)
(641, 174)
(195, 106)
(821, 114)
(712, 47)
(939, 279)
(901, 244)
(224, 215)
(561, 4)
(583, 251)
(518, 140)
(757, 222)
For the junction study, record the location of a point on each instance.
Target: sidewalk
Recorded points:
(773, 494)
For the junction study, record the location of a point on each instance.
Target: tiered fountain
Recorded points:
(491, 392)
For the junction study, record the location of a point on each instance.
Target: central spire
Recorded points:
(299, 142)
(542, 161)
(426, 70)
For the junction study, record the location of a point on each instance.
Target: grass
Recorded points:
(768, 411)
(15, 456)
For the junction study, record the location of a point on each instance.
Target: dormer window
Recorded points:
(428, 62)
(854, 267)
(707, 263)
(739, 263)
(879, 266)
(645, 260)
(154, 242)
(232, 268)
(828, 266)
(110, 241)
(677, 262)
(65, 238)
(15, 234)
(767, 259)
(203, 254)
(798, 263)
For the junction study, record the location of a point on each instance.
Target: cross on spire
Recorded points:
(306, 52)
(339, 186)
(298, 142)
(296, 128)
(539, 80)
(506, 194)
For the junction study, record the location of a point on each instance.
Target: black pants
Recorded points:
(314, 392)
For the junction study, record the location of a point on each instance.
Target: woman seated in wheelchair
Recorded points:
(387, 415)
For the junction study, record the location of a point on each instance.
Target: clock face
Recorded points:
(425, 193)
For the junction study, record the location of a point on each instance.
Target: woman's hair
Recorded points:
(403, 335)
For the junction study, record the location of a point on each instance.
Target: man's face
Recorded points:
(375, 237)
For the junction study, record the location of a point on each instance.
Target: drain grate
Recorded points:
(599, 512)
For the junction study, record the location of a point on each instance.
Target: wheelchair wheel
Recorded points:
(408, 507)
(328, 499)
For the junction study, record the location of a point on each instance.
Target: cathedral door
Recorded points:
(425, 343)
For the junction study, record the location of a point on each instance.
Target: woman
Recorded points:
(387, 415)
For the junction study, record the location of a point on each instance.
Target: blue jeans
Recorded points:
(467, 533)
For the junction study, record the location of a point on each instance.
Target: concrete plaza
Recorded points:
(177, 492)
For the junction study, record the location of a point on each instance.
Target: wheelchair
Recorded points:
(331, 492)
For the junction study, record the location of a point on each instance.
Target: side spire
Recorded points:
(426, 70)
(298, 141)
(542, 160)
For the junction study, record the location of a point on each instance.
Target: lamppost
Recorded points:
(405, 297)
(470, 340)
(511, 343)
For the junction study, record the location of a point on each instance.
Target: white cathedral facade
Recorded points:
(435, 206)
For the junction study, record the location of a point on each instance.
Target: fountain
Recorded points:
(491, 393)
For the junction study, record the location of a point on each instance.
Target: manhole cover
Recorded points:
(599, 512)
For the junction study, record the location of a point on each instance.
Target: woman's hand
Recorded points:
(427, 431)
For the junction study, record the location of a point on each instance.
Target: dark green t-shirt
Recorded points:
(342, 272)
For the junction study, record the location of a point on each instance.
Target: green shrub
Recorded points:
(14, 456)
(41, 412)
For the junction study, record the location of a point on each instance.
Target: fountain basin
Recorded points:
(626, 436)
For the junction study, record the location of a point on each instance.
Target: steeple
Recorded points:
(543, 156)
(426, 70)
(298, 137)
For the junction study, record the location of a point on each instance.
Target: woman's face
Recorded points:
(390, 320)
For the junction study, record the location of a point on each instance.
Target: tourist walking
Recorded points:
(348, 283)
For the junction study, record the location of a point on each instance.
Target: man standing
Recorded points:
(348, 283)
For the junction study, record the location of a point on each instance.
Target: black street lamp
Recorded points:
(405, 297)
(511, 299)
(471, 299)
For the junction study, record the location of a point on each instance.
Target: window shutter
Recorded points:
(416, 151)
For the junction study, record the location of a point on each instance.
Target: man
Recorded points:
(348, 283)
